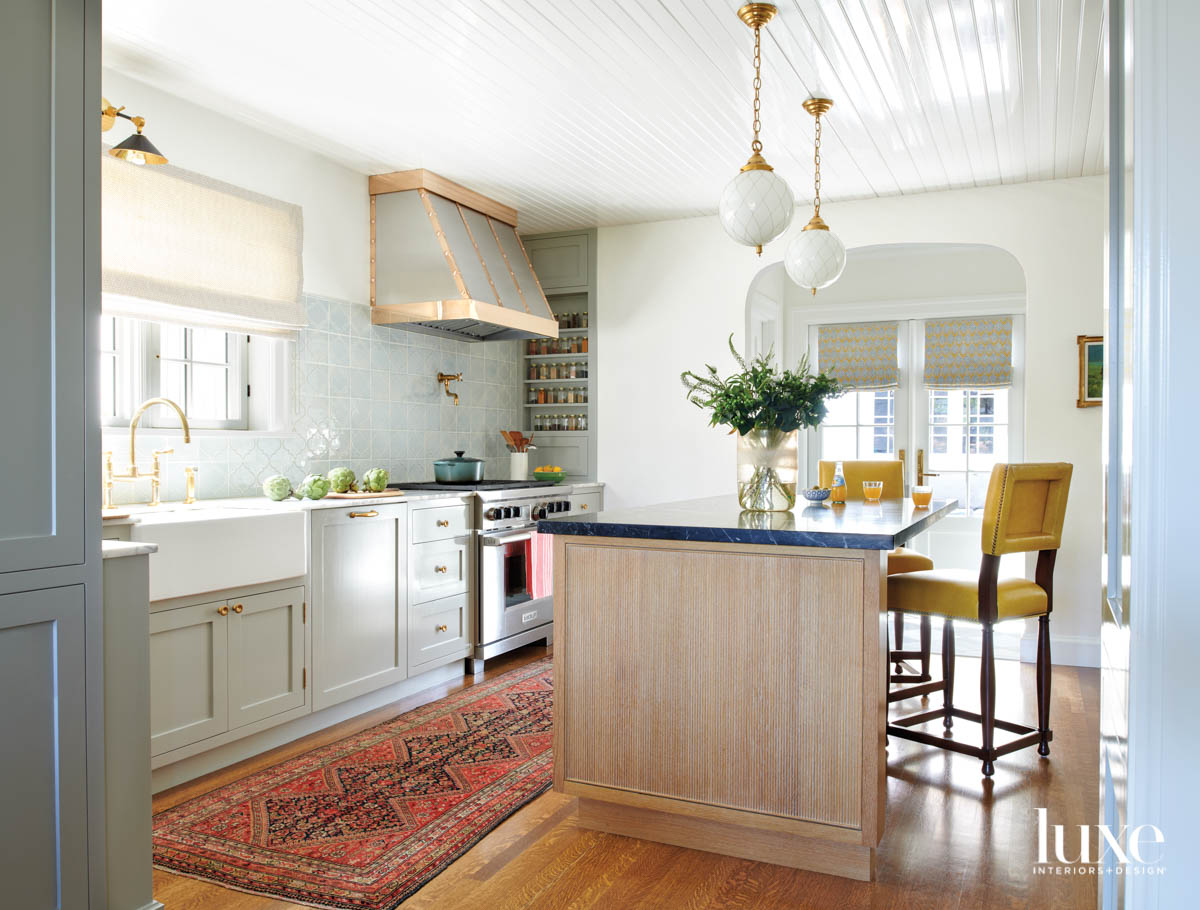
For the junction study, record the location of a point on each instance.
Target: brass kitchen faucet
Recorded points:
(134, 473)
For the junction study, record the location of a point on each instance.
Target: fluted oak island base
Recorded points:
(727, 697)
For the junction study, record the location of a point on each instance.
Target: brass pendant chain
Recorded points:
(817, 170)
(756, 145)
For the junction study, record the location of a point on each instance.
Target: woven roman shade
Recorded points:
(181, 247)
(861, 356)
(969, 352)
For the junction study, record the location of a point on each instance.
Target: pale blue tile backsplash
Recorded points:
(364, 396)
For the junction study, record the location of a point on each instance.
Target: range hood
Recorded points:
(448, 261)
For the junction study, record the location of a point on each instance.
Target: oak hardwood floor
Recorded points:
(951, 839)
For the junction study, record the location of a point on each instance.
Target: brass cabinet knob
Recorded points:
(222, 610)
(440, 569)
(237, 608)
(443, 523)
(583, 505)
(440, 628)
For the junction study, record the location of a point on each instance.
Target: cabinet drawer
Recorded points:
(438, 630)
(441, 522)
(439, 568)
(586, 502)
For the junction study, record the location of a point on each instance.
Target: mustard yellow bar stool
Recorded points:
(1024, 512)
(900, 560)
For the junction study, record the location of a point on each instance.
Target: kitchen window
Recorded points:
(959, 432)
(860, 425)
(205, 371)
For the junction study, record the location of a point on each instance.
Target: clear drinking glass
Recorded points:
(767, 470)
(922, 496)
(872, 490)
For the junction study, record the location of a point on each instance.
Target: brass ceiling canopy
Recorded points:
(818, 106)
(756, 15)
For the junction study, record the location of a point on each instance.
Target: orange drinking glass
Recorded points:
(872, 490)
(922, 496)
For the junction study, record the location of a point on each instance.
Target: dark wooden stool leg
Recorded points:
(898, 635)
(925, 648)
(987, 698)
(948, 674)
(1043, 683)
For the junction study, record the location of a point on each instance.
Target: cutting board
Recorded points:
(385, 493)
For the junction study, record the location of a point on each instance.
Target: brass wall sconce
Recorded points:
(445, 379)
(137, 149)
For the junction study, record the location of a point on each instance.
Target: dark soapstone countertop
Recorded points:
(719, 519)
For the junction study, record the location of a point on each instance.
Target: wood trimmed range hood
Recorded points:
(448, 261)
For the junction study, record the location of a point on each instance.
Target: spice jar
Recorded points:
(583, 343)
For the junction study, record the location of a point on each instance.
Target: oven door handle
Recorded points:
(499, 540)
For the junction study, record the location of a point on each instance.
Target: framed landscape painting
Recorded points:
(1091, 371)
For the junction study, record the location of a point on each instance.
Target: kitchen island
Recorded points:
(720, 676)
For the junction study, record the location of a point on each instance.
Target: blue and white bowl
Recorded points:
(816, 495)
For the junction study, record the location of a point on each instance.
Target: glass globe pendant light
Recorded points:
(816, 256)
(756, 205)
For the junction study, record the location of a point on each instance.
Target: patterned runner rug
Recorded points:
(365, 822)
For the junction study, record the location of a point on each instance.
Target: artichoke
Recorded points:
(341, 479)
(375, 480)
(314, 486)
(277, 487)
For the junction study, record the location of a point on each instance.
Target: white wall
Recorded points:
(364, 395)
(334, 198)
(671, 292)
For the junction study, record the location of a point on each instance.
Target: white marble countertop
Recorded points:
(115, 549)
(212, 508)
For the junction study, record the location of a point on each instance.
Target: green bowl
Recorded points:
(552, 476)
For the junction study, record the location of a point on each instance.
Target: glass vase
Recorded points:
(767, 470)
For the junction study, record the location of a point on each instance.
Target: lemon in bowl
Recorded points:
(551, 472)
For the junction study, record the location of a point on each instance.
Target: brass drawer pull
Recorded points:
(371, 514)
(443, 522)
(222, 610)
(441, 628)
(583, 505)
(237, 608)
(439, 569)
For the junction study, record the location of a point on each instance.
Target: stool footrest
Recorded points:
(898, 656)
(1029, 735)
(914, 691)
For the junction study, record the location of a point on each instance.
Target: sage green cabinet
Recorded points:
(189, 675)
(266, 655)
(561, 261)
(359, 600)
(225, 664)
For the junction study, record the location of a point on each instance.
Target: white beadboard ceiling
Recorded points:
(615, 111)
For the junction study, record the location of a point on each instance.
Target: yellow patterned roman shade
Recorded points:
(861, 356)
(973, 352)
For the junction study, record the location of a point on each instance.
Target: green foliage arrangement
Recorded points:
(761, 396)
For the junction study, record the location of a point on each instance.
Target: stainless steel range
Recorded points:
(515, 575)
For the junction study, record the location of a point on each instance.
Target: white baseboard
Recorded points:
(256, 743)
(1066, 650)
(1011, 644)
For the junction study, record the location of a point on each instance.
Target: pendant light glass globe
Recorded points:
(816, 257)
(756, 207)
